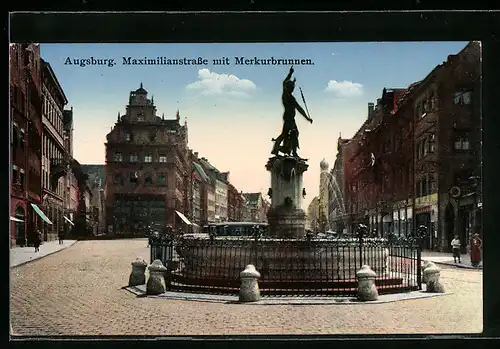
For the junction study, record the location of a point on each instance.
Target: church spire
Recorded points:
(141, 85)
(178, 116)
(118, 119)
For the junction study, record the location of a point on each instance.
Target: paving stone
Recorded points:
(65, 294)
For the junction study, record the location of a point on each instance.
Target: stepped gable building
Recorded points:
(147, 169)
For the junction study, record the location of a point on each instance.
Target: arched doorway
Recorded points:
(449, 223)
(19, 226)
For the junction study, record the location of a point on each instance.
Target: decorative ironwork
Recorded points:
(305, 266)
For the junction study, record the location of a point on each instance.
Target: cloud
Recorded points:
(344, 88)
(211, 83)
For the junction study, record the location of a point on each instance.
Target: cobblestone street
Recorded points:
(78, 291)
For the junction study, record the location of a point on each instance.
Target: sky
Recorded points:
(234, 110)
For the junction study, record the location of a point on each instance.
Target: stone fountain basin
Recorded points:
(279, 261)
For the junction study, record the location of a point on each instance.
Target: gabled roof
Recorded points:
(252, 197)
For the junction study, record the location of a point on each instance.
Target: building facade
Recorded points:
(337, 214)
(220, 196)
(235, 204)
(55, 156)
(147, 169)
(257, 207)
(312, 220)
(324, 184)
(96, 177)
(26, 215)
(416, 159)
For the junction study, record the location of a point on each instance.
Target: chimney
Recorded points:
(371, 107)
(196, 154)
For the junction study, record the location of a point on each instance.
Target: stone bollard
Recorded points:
(426, 265)
(156, 281)
(367, 291)
(431, 275)
(138, 274)
(249, 289)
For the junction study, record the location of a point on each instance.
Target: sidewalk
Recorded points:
(447, 259)
(22, 255)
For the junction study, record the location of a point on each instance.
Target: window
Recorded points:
(418, 150)
(162, 158)
(148, 157)
(117, 178)
(462, 144)
(432, 143)
(134, 177)
(161, 179)
(152, 136)
(133, 157)
(425, 146)
(128, 137)
(140, 116)
(148, 178)
(15, 135)
(462, 97)
(15, 175)
(118, 157)
(21, 177)
(22, 138)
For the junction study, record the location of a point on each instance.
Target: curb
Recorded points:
(45, 255)
(463, 266)
(178, 296)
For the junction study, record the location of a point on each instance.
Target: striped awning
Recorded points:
(41, 214)
(184, 219)
(68, 220)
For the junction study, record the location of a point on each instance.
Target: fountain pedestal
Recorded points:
(285, 217)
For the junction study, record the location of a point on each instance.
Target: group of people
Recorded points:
(475, 248)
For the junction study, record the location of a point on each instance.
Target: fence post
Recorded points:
(420, 233)
(361, 232)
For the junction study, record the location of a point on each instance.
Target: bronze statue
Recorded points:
(290, 133)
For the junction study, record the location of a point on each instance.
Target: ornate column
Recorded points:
(285, 216)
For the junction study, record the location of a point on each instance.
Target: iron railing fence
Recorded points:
(299, 267)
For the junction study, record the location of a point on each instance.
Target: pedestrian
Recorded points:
(61, 236)
(455, 245)
(38, 240)
(475, 250)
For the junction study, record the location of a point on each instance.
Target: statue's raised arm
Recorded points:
(289, 76)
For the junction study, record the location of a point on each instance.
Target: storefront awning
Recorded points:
(184, 219)
(14, 219)
(68, 220)
(41, 214)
